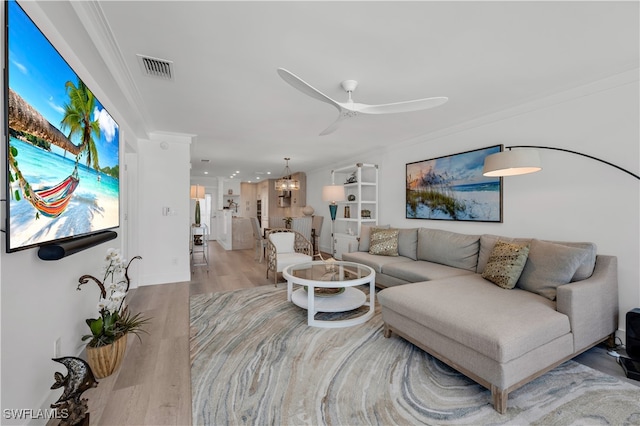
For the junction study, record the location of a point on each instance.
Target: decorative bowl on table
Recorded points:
(325, 292)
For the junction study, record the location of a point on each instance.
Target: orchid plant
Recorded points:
(115, 320)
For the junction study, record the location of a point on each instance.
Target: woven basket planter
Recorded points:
(104, 360)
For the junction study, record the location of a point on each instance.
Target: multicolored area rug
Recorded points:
(254, 360)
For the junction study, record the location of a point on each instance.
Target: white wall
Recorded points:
(572, 199)
(39, 301)
(163, 177)
(39, 304)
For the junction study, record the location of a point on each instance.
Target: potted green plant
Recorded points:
(108, 338)
(287, 222)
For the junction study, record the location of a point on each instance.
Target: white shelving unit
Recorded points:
(361, 207)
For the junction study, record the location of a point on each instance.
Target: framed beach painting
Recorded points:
(453, 188)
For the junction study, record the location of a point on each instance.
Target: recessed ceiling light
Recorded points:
(237, 171)
(231, 176)
(257, 178)
(206, 173)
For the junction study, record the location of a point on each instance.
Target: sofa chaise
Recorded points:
(439, 294)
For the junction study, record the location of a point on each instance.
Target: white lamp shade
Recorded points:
(333, 193)
(512, 163)
(197, 192)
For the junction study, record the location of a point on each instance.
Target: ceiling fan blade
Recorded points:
(305, 87)
(408, 106)
(335, 124)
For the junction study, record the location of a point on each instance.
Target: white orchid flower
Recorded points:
(118, 295)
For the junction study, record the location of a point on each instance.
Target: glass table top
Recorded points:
(329, 271)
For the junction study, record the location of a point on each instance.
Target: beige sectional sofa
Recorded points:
(565, 301)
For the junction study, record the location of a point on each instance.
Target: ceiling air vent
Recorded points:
(154, 67)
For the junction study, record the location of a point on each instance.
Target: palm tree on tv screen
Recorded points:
(77, 118)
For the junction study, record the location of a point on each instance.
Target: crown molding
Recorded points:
(540, 102)
(92, 17)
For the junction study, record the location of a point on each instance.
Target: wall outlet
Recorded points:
(56, 347)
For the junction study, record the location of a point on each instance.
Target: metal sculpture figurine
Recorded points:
(79, 378)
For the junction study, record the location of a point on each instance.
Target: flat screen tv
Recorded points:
(62, 145)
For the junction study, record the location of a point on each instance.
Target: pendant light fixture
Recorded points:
(286, 183)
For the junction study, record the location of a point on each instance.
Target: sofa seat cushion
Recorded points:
(422, 271)
(500, 324)
(374, 261)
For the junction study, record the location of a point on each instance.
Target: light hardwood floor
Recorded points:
(153, 384)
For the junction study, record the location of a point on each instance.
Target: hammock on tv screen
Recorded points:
(51, 202)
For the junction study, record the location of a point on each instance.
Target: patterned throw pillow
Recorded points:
(365, 235)
(384, 242)
(506, 263)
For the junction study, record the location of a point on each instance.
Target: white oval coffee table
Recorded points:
(320, 279)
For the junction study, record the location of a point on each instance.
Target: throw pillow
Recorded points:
(550, 265)
(384, 242)
(505, 264)
(487, 241)
(365, 235)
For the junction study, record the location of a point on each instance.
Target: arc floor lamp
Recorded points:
(523, 161)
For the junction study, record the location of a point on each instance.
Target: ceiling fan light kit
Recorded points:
(350, 108)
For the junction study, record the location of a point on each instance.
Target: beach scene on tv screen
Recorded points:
(63, 151)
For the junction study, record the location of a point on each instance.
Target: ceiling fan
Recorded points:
(350, 108)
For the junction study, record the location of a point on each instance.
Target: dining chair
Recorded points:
(317, 231)
(303, 225)
(260, 241)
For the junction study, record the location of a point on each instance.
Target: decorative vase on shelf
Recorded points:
(104, 360)
(307, 210)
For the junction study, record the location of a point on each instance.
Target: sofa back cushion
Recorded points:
(550, 265)
(365, 236)
(588, 264)
(448, 248)
(584, 271)
(408, 243)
